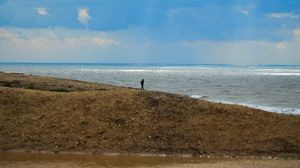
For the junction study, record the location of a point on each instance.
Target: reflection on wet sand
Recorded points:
(35, 160)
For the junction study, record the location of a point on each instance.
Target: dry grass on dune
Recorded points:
(101, 118)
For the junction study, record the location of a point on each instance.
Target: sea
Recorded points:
(274, 88)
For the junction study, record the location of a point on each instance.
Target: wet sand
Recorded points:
(35, 160)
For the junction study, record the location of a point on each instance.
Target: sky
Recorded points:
(242, 32)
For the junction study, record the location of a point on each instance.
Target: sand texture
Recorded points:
(49, 114)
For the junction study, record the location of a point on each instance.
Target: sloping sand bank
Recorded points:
(48, 114)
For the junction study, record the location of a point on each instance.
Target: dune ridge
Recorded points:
(50, 114)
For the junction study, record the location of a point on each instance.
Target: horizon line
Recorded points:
(130, 63)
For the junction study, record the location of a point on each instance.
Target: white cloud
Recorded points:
(5, 35)
(104, 42)
(42, 11)
(281, 45)
(245, 10)
(54, 40)
(61, 44)
(297, 34)
(246, 51)
(174, 12)
(290, 15)
(87, 40)
(242, 10)
(83, 16)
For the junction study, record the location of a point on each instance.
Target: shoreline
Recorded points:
(273, 109)
(174, 155)
(68, 115)
(285, 111)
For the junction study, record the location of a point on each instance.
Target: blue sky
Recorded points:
(151, 31)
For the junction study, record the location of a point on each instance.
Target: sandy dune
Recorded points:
(49, 114)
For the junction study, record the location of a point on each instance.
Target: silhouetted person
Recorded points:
(142, 84)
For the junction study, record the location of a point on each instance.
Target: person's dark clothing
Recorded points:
(142, 84)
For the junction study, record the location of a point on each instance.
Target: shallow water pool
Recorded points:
(36, 160)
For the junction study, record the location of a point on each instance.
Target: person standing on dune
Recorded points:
(142, 84)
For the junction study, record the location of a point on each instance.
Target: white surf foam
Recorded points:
(123, 70)
(197, 96)
(281, 73)
(294, 111)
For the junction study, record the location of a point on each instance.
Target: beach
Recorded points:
(148, 83)
(272, 88)
(58, 115)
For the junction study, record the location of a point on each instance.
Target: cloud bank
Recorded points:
(130, 47)
(248, 51)
(53, 39)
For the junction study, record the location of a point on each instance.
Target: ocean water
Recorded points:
(273, 88)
